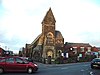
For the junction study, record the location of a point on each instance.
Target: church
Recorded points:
(49, 45)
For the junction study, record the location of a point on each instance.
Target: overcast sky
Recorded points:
(20, 21)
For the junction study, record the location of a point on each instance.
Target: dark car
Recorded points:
(17, 64)
(95, 63)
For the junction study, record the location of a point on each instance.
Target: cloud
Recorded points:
(20, 20)
(81, 25)
(0, 2)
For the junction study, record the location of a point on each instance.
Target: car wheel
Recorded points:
(29, 70)
(1, 70)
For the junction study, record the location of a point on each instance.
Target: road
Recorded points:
(63, 69)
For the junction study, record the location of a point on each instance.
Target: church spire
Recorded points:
(49, 18)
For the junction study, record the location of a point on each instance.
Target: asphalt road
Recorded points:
(63, 69)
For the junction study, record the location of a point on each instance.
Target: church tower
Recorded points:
(48, 46)
(48, 23)
(48, 31)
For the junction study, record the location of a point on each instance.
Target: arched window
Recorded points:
(50, 38)
(50, 35)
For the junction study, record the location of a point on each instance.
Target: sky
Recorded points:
(20, 21)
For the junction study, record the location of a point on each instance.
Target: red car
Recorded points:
(17, 64)
(1, 58)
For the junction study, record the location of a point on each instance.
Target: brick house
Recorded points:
(95, 51)
(79, 49)
(27, 50)
(2, 51)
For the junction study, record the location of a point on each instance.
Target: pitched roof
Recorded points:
(37, 38)
(27, 45)
(58, 34)
(49, 17)
(95, 49)
(98, 48)
(78, 44)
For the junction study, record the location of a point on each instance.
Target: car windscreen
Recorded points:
(97, 60)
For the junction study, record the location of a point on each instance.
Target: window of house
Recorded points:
(75, 49)
(82, 49)
(89, 49)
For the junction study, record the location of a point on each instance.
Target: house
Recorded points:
(2, 52)
(98, 50)
(78, 49)
(27, 51)
(95, 51)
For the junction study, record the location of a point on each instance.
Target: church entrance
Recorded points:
(50, 53)
(49, 56)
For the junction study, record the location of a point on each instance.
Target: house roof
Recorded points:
(78, 44)
(27, 45)
(95, 49)
(58, 34)
(98, 48)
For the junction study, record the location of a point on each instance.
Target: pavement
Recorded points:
(55, 65)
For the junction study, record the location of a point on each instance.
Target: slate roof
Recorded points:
(49, 17)
(78, 44)
(58, 34)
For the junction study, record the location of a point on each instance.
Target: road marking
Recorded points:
(64, 68)
(82, 70)
(91, 73)
(86, 65)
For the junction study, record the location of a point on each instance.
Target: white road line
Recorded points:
(82, 70)
(86, 65)
(64, 68)
(91, 73)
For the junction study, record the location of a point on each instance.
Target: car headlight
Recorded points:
(35, 64)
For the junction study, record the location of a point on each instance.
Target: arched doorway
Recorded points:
(49, 56)
(50, 53)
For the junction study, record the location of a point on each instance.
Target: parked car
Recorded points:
(17, 64)
(1, 58)
(95, 63)
(27, 58)
(30, 59)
